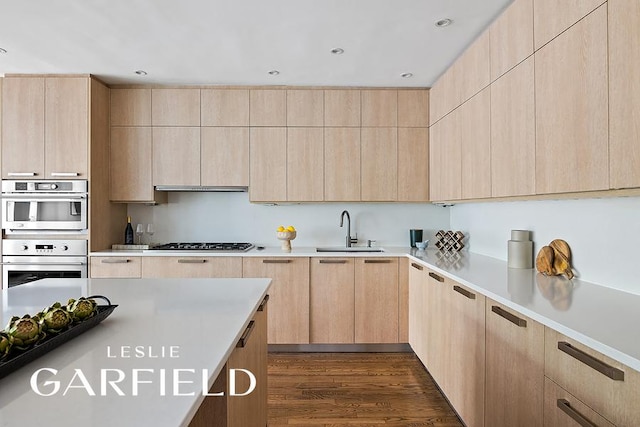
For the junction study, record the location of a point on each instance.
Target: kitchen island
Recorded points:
(150, 363)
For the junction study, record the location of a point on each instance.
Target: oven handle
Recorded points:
(67, 197)
(45, 263)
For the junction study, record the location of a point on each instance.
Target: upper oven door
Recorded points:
(26, 213)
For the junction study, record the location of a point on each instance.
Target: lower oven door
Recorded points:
(18, 270)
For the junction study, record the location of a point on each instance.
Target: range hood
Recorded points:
(202, 188)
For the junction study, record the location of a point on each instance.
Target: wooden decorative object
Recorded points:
(449, 241)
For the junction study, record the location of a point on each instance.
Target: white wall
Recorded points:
(202, 217)
(603, 233)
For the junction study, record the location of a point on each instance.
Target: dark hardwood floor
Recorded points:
(354, 389)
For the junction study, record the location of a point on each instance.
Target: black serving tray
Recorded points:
(21, 358)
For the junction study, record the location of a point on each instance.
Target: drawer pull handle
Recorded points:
(22, 174)
(191, 261)
(115, 261)
(276, 261)
(565, 406)
(263, 303)
(608, 370)
(242, 342)
(464, 292)
(435, 276)
(63, 174)
(416, 266)
(377, 261)
(510, 317)
(333, 261)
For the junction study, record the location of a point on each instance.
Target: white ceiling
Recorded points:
(236, 42)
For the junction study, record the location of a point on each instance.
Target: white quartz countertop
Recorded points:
(269, 251)
(198, 321)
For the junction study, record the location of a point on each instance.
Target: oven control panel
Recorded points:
(44, 247)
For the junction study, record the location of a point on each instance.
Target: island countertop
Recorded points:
(163, 330)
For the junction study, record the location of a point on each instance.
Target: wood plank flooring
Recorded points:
(354, 389)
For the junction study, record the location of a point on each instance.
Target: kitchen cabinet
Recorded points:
(514, 368)
(342, 108)
(268, 164)
(288, 320)
(224, 156)
(418, 303)
(267, 107)
(130, 107)
(176, 156)
(413, 108)
(552, 17)
(305, 107)
(624, 93)
(444, 95)
(472, 71)
(101, 267)
(332, 300)
(305, 164)
(342, 164)
(413, 164)
(224, 107)
(379, 108)
(475, 144)
(511, 37)
(562, 409)
(513, 144)
(438, 346)
(445, 153)
(379, 164)
(571, 93)
(376, 300)
(403, 300)
(175, 107)
(191, 267)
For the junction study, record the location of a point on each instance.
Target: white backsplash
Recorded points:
(203, 217)
(603, 233)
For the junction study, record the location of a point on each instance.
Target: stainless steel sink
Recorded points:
(351, 249)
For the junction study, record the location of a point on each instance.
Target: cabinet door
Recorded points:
(475, 144)
(572, 109)
(561, 409)
(268, 164)
(130, 107)
(267, 107)
(176, 156)
(379, 154)
(472, 71)
(413, 164)
(438, 345)
(289, 296)
(175, 107)
(191, 267)
(417, 307)
(413, 108)
(224, 156)
(376, 300)
(624, 93)
(379, 108)
(115, 267)
(305, 107)
(66, 143)
(23, 127)
(305, 164)
(552, 17)
(514, 368)
(342, 108)
(513, 133)
(444, 95)
(445, 163)
(511, 37)
(131, 164)
(341, 164)
(224, 107)
(332, 300)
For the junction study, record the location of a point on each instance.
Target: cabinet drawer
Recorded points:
(562, 409)
(115, 267)
(607, 386)
(191, 267)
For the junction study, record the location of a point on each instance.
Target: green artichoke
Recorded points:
(81, 309)
(6, 342)
(55, 318)
(25, 331)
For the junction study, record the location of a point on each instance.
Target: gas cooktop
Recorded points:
(220, 247)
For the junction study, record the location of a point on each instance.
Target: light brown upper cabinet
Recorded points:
(305, 164)
(131, 165)
(513, 133)
(379, 156)
(175, 107)
(624, 93)
(472, 72)
(267, 107)
(475, 143)
(552, 17)
(130, 107)
(445, 174)
(376, 300)
(413, 164)
(511, 37)
(413, 108)
(224, 107)
(572, 109)
(342, 164)
(176, 156)
(305, 107)
(342, 108)
(379, 108)
(224, 156)
(268, 164)
(444, 95)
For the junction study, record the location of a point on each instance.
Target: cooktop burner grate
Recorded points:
(222, 247)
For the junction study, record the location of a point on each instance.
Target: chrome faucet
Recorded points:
(348, 239)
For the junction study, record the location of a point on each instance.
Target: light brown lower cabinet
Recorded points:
(192, 267)
(562, 409)
(417, 308)
(102, 267)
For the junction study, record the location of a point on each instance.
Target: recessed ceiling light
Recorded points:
(274, 72)
(406, 75)
(141, 72)
(3, 50)
(444, 22)
(337, 51)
